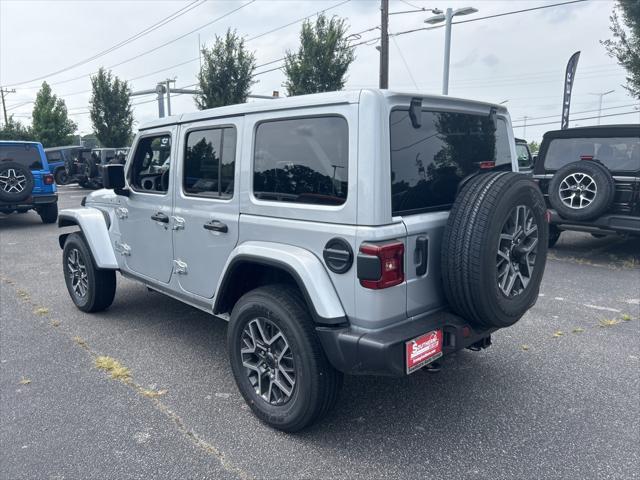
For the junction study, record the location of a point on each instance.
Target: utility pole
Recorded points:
(602, 94)
(384, 44)
(524, 130)
(168, 83)
(4, 91)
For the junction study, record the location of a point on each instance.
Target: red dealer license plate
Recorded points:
(423, 350)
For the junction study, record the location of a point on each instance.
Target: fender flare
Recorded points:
(306, 269)
(94, 226)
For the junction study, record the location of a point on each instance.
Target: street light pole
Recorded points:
(447, 17)
(600, 101)
(447, 51)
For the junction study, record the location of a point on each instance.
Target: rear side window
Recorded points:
(617, 153)
(25, 154)
(303, 160)
(428, 163)
(209, 162)
(53, 157)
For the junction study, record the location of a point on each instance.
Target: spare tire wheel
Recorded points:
(581, 190)
(16, 182)
(494, 249)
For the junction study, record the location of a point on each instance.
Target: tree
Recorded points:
(226, 75)
(14, 130)
(625, 45)
(534, 146)
(51, 125)
(110, 109)
(322, 61)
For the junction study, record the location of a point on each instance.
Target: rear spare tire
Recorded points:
(581, 190)
(16, 182)
(495, 249)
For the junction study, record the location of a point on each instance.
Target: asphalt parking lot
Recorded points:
(556, 396)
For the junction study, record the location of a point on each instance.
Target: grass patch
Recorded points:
(152, 393)
(606, 322)
(113, 367)
(578, 330)
(55, 323)
(41, 311)
(558, 334)
(626, 317)
(525, 347)
(24, 381)
(23, 294)
(81, 341)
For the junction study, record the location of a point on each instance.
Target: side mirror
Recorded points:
(113, 178)
(534, 159)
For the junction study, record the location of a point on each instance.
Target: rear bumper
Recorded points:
(607, 223)
(29, 203)
(360, 351)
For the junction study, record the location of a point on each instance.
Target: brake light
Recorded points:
(586, 157)
(380, 265)
(48, 179)
(488, 164)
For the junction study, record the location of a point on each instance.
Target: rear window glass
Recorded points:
(26, 154)
(617, 153)
(303, 160)
(428, 163)
(209, 162)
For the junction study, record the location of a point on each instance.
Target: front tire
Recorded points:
(48, 213)
(277, 361)
(91, 289)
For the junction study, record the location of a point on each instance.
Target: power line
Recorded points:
(582, 118)
(175, 15)
(406, 65)
(577, 113)
(298, 21)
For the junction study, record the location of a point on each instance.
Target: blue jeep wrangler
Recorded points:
(26, 183)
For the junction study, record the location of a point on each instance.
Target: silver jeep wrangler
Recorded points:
(360, 232)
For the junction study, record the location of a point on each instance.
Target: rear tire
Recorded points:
(554, 235)
(581, 190)
(494, 249)
(283, 316)
(91, 289)
(61, 176)
(48, 213)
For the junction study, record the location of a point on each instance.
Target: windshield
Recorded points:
(617, 153)
(26, 154)
(428, 163)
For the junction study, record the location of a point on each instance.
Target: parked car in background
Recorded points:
(525, 160)
(360, 232)
(93, 163)
(590, 177)
(62, 162)
(26, 183)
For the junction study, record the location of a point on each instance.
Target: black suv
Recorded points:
(590, 177)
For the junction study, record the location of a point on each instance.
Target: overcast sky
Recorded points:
(520, 58)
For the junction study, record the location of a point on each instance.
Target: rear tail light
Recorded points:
(48, 179)
(586, 157)
(380, 265)
(488, 164)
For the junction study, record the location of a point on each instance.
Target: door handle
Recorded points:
(422, 250)
(160, 217)
(216, 226)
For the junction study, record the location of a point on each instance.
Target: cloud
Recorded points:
(468, 60)
(490, 60)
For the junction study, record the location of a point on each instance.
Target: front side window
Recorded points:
(150, 168)
(209, 162)
(302, 160)
(616, 153)
(428, 163)
(524, 157)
